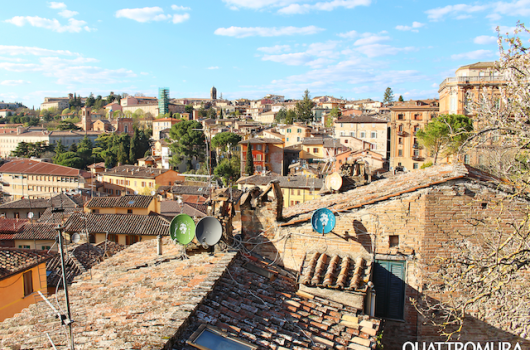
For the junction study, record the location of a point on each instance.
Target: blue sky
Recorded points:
(246, 48)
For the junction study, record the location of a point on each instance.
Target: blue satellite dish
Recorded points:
(323, 220)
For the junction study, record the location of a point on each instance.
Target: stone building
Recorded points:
(406, 118)
(400, 224)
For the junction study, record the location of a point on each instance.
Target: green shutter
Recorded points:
(389, 281)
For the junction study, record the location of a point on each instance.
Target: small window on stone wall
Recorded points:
(484, 205)
(393, 241)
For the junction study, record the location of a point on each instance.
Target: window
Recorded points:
(118, 192)
(373, 146)
(287, 139)
(24, 247)
(400, 153)
(208, 337)
(415, 166)
(112, 238)
(289, 131)
(466, 159)
(95, 211)
(363, 134)
(373, 135)
(16, 215)
(46, 247)
(131, 239)
(400, 117)
(298, 192)
(258, 147)
(400, 141)
(258, 157)
(292, 191)
(298, 139)
(315, 150)
(389, 284)
(346, 141)
(393, 241)
(342, 133)
(299, 131)
(143, 183)
(28, 283)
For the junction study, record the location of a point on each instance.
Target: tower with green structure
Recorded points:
(163, 100)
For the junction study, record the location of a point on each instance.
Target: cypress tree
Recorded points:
(122, 154)
(249, 166)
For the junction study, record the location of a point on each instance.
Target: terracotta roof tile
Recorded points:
(28, 166)
(386, 188)
(258, 302)
(130, 224)
(38, 231)
(60, 200)
(135, 299)
(14, 260)
(128, 201)
(12, 226)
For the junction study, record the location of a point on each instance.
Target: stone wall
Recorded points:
(422, 221)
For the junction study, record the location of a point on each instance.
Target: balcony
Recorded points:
(401, 133)
(473, 80)
(418, 158)
(417, 146)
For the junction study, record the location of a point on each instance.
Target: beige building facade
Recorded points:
(406, 119)
(368, 128)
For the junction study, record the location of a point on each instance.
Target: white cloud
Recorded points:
(275, 49)
(348, 35)
(369, 38)
(473, 55)
(316, 55)
(144, 73)
(57, 5)
(181, 18)
(180, 8)
(74, 25)
(256, 4)
(68, 13)
(376, 50)
(519, 8)
(143, 15)
(14, 82)
(322, 6)
(453, 10)
(243, 32)
(505, 30)
(413, 28)
(485, 40)
(36, 51)
(213, 67)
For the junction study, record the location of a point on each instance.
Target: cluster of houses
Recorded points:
(272, 282)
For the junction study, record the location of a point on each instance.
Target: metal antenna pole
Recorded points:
(68, 321)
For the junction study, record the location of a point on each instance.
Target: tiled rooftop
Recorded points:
(128, 201)
(285, 181)
(130, 224)
(134, 171)
(196, 190)
(58, 201)
(28, 166)
(362, 119)
(386, 188)
(11, 226)
(38, 231)
(133, 300)
(258, 303)
(80, 258)
(15, 260)
(173, 208)
(56, 218)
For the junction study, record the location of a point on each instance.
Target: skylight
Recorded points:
(131, 202)
(211, 338)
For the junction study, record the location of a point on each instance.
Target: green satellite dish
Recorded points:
(182, 229)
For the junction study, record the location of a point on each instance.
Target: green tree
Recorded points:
(401, 98)
(445, 134)
(110, 160)
(90, 100)
(223, 139)
(249, 164)
(66, 125)
(229, 170)
(212, 113)
(303, 108)
(73, 148)
(59, 148)
(21, 151)
(189, 142)
(388, 97)
(84, 150)
(69, 159)
(189, 109)
(281, 115)
(290, 117)
(122, 154)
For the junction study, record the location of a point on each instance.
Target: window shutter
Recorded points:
(28, 283)
(381, 288)
(397, 288)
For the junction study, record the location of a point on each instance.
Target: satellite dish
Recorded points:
(76, 237)
(135, 192)
(153, 193)
(30, 215)
(334, 181)
(182, 229)
(323, 220)
(209, 231)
